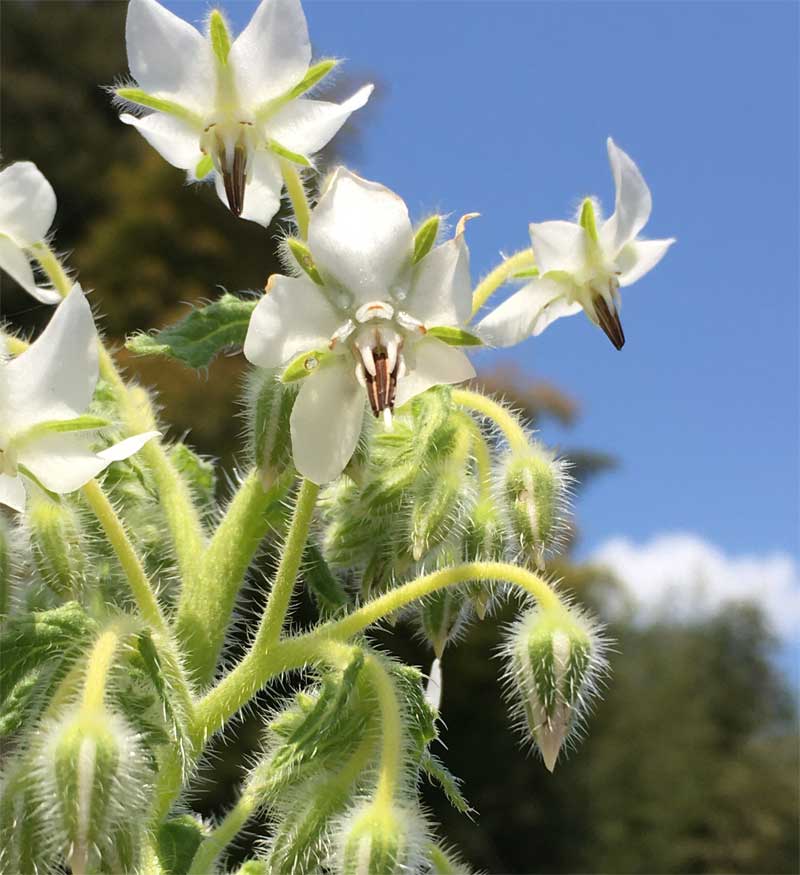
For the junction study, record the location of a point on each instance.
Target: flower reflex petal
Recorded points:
(527, 312)
(433, 363)
(441, 290)
(558, 246)
(640, 257)
(633, 202)
(15, 263)
(12, 492)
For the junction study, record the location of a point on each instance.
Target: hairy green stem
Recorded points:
(392, 742)
(99, 665)
(207, 599)
(505, 420)
(297, 195)
(523, 260)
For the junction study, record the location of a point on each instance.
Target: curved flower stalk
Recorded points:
(364, 322)
(27, 210)
(233, 109)
(582, 265)
(45, 435)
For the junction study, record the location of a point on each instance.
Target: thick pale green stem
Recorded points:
(297, 195)
(507, 423)
(54, 269)
(520, 261)
(257, 668)
(482, 454)
(98, 667)
(392, 741)
(207, 598)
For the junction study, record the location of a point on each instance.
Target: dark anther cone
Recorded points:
(235, 181)
(609, 322)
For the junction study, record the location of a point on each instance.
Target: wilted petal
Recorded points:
(12, 492)
(293, 317)
(27, 203)
(55, 377)
(558, 246)
(326, 421)
(175, 140)
(262, 194)
(273, 52)
(167, 56)
(360, 236)
(633, 202)
(15, 263)
(441, 287)
(528, 311)
(431, 362)
(304, 126)
(639, 257)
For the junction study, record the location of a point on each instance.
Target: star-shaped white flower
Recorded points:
(44, 393)
(583, 266)
(231, 107)
(367, 326)
(27, 210)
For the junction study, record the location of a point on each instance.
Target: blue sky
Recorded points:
(504, 108)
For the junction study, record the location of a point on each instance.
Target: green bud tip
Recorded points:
(555, 662)
(380, 840)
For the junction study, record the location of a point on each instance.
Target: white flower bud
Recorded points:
(555, 660)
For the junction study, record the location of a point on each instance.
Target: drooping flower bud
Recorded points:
(57, 543)
(380, 840)
(555, 660)
(93, 777)
(535, 491)
(443, 614)
(483, 542)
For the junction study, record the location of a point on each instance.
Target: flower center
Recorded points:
(377, 348)
(230, 142)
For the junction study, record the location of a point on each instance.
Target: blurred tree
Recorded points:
(690, 763)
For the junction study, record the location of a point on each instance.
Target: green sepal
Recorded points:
(204, 166)
(197, 339)
(178, 841)
(220, 36)
(426, 237)
(142, 98)
(454, 336)
(588, 220)
(314, 75)
(437, 772)
(328, 594)
(61, 426)
(420, 718)
(302, 255)
(306, 363)
(295, 157)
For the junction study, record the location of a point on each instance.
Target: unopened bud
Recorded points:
(442, 614)
(536, 491)
(483, 542)
(381, 840)
(269, 406)
(57, 543)
(555, 660)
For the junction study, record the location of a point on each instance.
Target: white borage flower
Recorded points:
(370, 316)
(231, 108)
(45, 435)
(583, 266)
(27, 210)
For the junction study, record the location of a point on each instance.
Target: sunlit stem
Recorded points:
(523, 260)
(53, 268)
(392, 742)
(297, 195)
(482, 455)
(505, 420)
(98, 667)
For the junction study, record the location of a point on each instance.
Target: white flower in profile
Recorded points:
(45, 435)
(231, 108)
(27, 210)
(368, 320)
(583, 264)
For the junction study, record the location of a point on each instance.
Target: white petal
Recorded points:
(441, 288)
(431, 362)
(15, 263)
(272, 53)
(305, 126)
(633, 202)
(262, 195)
(558, 246)
(62, 462)
(175, 140)
(326, 421)
(12, 492)
(639, 257)
(360, 236)
(167, 56)
(125, 449)
(528, 311)
(293, 317)
(433, 689)
(55, 377)
(27, 203)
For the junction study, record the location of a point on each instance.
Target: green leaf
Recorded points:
(328, 593)
(178, 841)
(220, 36)
(302, 255)
(205, 332)
(295, 157)
(588, 220)
(454, 336)
(436, 770)
(142, 98)
(425, 237)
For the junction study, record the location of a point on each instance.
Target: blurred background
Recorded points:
(685, 443)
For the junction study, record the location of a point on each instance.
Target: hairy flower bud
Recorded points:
(535, 490)
(269, 405)
(554, 662)
(380, 840)
(92, 777)
(57, 543)
(442, 614)
(483, 542)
